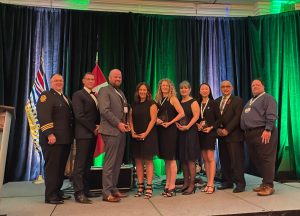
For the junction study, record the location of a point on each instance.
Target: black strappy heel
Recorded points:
(140, 191)
(148, 193)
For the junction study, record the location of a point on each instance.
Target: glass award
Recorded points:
(125, 115)
(204, 123)
(163, 115)
(183, 121)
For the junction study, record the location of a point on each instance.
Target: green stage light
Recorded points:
(279, 6)
(78, 4)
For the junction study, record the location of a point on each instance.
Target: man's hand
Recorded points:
(123, 127)
(51, 139)
(265, 137)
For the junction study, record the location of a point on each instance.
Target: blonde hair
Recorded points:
(172, 92)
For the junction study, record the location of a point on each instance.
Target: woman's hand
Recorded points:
(207, 129)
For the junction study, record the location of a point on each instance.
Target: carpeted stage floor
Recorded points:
(26, 198)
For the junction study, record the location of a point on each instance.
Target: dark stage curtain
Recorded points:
(146, 48)
(275, 57)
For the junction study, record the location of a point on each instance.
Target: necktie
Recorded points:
(222, 105)
(93, 93)
(64, 98)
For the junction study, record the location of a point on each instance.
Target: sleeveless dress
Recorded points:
(143, 149)
(167, 137)
(188, 141)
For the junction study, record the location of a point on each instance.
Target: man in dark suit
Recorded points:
(230, 139)
(55, 115)
(113, 110)
(87, 120)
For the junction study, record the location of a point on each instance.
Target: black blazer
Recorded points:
(230, 119)
(86, 114)
(55, 116)
(211, 114)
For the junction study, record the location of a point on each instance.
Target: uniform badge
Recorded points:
(247, 110)
(43, 98)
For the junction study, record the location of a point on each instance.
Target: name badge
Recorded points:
(125, 109)
(247, 110)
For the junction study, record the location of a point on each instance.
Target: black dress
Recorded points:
(167, 137)
(212, 117)
(189, 148)
(143, 149)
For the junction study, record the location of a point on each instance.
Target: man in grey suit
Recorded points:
(113, 110)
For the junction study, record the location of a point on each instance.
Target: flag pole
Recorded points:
(40, 178)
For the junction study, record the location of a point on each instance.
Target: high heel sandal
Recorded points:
(171, 193)
(140, 191)
(148, 193)
(189, 191)
(210, 191)
(205, 189)
(165, 192)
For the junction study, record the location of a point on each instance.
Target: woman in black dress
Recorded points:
(170, 111)
(144, 136)
(189, 148)
(209, 122)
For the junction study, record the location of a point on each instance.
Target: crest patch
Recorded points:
(43, 98)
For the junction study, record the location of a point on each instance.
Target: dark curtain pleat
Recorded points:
(82, 47)
(18, 24)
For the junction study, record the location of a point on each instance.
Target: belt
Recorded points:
(253, 129)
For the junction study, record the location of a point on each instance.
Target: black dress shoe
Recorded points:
(54, 201)
(90, 194)
(81, 198)
(238, 190)
(225, 186)
(64, 196)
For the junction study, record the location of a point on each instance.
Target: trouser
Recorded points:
(232, 162)
(83, 161)
(263, 156)
(114, 147)
(56, 157)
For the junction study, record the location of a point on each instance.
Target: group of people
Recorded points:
(184, 129)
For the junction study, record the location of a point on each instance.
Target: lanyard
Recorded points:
(161, 103)
(123, 99)
(203, 108)
(254, 99)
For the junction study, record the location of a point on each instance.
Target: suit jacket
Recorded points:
(86, 114)
(230, 119)
(111, 109)
(55, 116)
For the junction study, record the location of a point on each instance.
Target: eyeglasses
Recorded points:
(228, 86)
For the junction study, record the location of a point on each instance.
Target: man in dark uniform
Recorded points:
(230, 139)
(261, 135)
(87, 118)
(55, 115)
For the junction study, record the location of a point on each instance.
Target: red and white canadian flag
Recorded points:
(100, 82)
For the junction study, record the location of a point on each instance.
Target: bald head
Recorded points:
(115, 78)
(226, 88)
